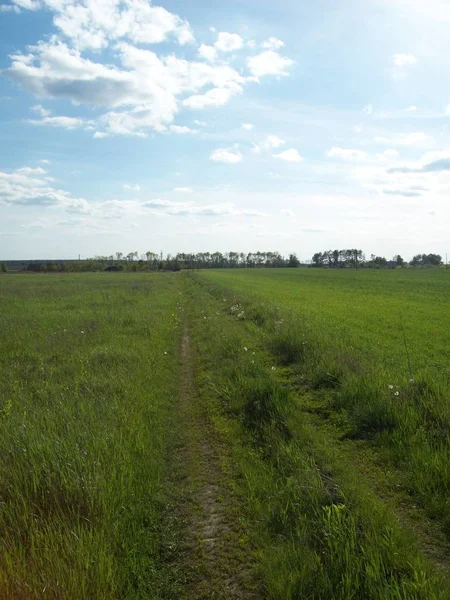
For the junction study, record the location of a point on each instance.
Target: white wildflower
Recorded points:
(396, 393)
(391, 387)
(245, 349)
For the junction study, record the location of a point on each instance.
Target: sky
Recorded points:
(174, 126)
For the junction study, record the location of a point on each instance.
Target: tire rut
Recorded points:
(211, 556)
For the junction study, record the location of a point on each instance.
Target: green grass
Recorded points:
(89, 380)
(88, 373)
(375, 342)
(320, 532)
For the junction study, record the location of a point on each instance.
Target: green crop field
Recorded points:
(244, 433)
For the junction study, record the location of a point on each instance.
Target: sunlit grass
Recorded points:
(88, 373)
(376, 344)
(319, 532)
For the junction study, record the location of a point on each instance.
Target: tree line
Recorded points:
(356, 258)
(152, 261)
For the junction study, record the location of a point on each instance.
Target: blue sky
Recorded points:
(200, 126)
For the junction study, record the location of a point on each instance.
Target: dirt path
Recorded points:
(212, 559)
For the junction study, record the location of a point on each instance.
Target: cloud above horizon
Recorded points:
(145, 89)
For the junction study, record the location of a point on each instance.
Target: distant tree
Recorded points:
(318, 259)
(293, 261)
(3, 268)
(424, 260)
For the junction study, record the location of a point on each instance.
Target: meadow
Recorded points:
(309, 417)
(88, 371)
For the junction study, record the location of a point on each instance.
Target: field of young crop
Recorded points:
(245, 434)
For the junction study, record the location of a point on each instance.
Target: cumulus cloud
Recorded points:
(9, 8)
(29, 186)
(403, 60)
(132, 187)
(247, 126)
(346, 153)
(226, 155)
(41, 111)
(228, 42)
(183, 190)
(272, 44)
(269, 143)
(269, 63)
(181, 129)
(64, 122)
(291, 155)
(89, 24)
(150, 85)
(214, 97)
(368, 109)
(143, 90)
(207, 52)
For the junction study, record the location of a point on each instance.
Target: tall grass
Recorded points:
(320, 533)
(408, 418)
(88, 372)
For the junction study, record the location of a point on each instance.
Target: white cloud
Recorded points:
(148, 86)
(409, 139)
(207, 52)
(228, 42)
(368, 109)
(44, 161)
(272, 44)
(28, 4)
(183, 190)
(346, 153)
(9, 8)
(200, 123)
(181, 129)
(41, 111)
(271, 142)
(64, 122)
(447, 109)
(226, 155)
(31, 171)
(403, 60)
(142, 90)
(214, 97)
(98, 135)
(28, 186)
(269, 63)
(291, 155)
(132, 187)
(91, 24)
(411, 109)
(247, 126)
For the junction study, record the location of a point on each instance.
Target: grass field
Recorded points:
(276, 434)
(88, 371)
